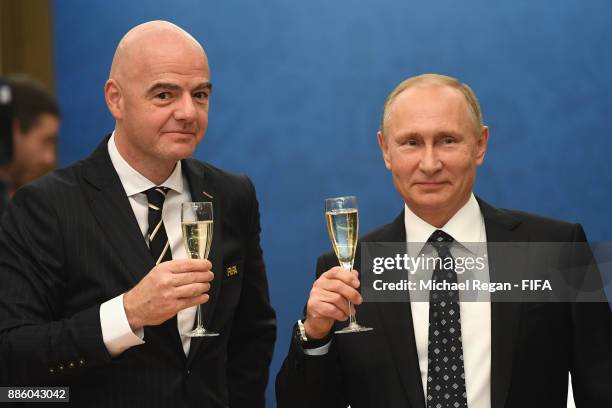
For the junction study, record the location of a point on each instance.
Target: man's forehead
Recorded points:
(429, 100)
(421, 107)
(168, 52)
(436, 93)
(155, 65)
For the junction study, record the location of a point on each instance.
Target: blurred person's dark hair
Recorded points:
(30, 100)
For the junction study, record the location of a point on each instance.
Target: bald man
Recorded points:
(96, 291)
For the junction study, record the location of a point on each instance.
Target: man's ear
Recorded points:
(114, 98)
(18, 135)
(481, 145)
(384, 148)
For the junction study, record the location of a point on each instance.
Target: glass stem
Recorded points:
(352, 319)
(348, 266)
(199, 317)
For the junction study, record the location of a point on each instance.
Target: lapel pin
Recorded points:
(231, 271)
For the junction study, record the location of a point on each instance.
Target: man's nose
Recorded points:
(430, 162)
(186, 110)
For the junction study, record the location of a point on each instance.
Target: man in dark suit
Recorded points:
(446, 352)
(96, 292)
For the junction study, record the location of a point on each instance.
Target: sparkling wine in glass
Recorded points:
(197, 226)
(341, 214)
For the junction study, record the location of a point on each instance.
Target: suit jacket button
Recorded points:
(188, 372)
(51, 371)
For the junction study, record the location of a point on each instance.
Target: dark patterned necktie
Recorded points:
(161, 252)
(156, 234)
(445, 373)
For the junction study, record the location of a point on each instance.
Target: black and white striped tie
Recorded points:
(156, 235)
(161, 252)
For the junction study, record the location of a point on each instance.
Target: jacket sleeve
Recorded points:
(591, 363)
(311, 381)
(38, 345)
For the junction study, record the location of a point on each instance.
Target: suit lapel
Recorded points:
(111, 208)
(396, 320)
(504, 261)
(202, 188)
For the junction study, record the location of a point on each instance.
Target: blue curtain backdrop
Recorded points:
(298, 92)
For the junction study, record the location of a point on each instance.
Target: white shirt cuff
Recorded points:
(318, 351)
(116, 331)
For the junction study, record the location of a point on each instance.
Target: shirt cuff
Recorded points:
(318, 351)
(116, 331)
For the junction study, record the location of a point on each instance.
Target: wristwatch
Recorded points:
(300, 332)
(304, 341)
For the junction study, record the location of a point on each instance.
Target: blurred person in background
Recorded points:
(35, 124)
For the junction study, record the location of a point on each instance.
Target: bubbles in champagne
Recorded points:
(343, 226)
(197, 237)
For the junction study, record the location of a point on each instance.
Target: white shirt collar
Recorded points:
(466, 226)
(133, 182)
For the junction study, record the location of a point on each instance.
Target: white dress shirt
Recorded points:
(116, 332)
(466, 226)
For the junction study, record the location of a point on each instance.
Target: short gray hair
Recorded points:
(439, 80)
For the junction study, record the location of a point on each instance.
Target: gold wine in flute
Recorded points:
(197, 226)
(342, 218)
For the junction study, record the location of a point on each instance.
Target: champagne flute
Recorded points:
(197, 226)
(342, 219)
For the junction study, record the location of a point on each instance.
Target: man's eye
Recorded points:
(201, 95)
(407, 141)
(448, 140)
(163, 95)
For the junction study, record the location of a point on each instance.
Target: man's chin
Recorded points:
(430, 202)
(179, 151)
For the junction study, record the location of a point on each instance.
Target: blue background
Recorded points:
(299, 88)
